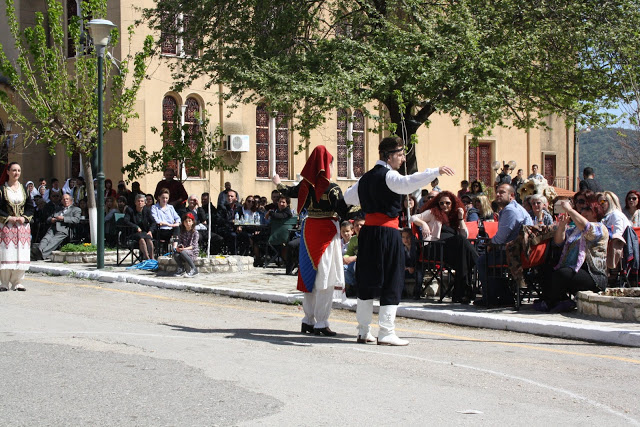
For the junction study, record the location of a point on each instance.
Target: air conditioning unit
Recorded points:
(238, 143)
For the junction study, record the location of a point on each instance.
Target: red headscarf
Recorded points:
(316, 173)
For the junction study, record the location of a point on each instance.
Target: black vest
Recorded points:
(375, 196)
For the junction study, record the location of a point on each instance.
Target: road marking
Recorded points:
(511, 377)
(346, 322)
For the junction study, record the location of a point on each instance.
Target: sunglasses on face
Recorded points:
(602, 202)
(444, 203)
(536, 203)
(580, 202)
(632, 198)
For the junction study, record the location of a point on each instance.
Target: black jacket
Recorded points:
(143, 220)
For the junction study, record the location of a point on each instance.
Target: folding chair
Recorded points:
(490, 228)
(125, 242)
(434, 266)
(498, 276)
(472, 227)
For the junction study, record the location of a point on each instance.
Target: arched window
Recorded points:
(350, 129)
(262, 142)
(169, 123)
(357, 155)
(343, 152)
(272, 144)
(282, 146)
(192, 119)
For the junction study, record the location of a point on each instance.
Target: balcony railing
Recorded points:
(563, 182)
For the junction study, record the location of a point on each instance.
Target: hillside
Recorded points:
(595, 151)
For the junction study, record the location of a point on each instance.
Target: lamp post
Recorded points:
(100, 31)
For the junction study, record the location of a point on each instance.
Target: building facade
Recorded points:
(272, 144)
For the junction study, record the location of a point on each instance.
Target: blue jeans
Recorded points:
(350, 274)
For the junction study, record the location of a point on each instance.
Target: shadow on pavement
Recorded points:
(272, 336)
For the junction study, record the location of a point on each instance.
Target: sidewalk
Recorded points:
(272, 285)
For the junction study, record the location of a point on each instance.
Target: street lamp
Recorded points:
(100, 31)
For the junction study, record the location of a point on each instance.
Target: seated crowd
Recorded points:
(588, 235)
(155, 221)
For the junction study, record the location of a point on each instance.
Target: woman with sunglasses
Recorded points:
(631, 207)
(443, 220)
(477, 189)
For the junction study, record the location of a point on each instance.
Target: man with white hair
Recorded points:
(60, 228)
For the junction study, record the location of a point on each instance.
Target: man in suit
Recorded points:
(60, 222)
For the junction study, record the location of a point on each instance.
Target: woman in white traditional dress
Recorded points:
(16, 211)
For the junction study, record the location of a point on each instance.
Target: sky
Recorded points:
(624, 123)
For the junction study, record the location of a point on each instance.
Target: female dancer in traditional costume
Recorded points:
(320, 255)
(16, 210)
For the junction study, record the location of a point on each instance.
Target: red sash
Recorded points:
(381, 220)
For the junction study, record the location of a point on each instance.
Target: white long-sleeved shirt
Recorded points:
(400, 184)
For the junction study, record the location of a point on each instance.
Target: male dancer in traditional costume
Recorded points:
(320, 255)
(380, 264)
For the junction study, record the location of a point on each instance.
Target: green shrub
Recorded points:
(82, 247)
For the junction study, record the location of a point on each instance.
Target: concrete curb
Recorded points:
(567, 330)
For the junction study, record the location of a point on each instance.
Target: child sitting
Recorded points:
(411, 270)
(349, 257)
(346, 231)
(187, 249)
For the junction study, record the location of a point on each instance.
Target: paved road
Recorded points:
(87, 353)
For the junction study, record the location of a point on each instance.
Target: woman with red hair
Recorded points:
(443, 220)
(631, 207)
(320, 255)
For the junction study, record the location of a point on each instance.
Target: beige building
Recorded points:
(271, 145)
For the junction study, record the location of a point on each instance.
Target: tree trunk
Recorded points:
(91, 198)
(406, 126)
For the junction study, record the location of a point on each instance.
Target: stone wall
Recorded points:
(609, 307)
(81, 257)
(214, 264)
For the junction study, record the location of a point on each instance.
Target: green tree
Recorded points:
(488, 62)
(190, 145)
(57, 97)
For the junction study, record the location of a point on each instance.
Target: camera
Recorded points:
(558, 208)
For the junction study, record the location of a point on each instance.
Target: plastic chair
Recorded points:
(491, 228)
(472, 226)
